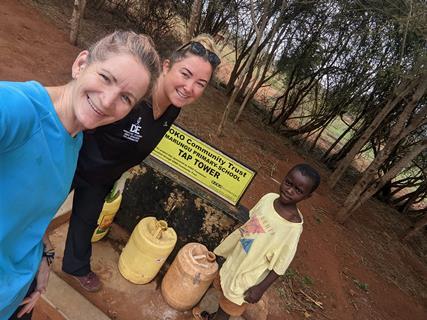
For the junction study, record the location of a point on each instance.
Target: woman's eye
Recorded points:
(126, 99)
(104, 77)
(185, 75)
(201, 84)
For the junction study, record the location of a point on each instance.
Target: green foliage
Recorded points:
(361, 285)
(291, 273)
(307, 281)
(294, 275)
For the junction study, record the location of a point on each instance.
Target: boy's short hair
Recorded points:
(310, 172)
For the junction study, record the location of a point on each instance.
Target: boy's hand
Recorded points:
(254, 294)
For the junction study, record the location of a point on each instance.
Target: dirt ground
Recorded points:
(359, 270)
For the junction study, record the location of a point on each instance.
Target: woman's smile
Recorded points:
(94, 108)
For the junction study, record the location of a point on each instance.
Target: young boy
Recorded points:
(261, 250)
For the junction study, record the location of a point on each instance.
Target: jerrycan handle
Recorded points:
(161, 226)
(209, 256)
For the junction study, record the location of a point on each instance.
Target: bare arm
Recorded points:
(254, 294)
(42, 280)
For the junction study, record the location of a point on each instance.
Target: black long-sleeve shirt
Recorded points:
(110, 150)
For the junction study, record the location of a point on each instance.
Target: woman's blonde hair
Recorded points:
(138, 45)
(207, 41)
(184, 51)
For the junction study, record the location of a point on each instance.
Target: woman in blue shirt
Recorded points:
(40, 137)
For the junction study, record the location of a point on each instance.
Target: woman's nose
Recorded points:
(188, 86)
(109, 99)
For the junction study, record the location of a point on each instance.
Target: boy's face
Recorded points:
(295, 187)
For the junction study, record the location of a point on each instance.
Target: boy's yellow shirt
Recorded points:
(265, 242)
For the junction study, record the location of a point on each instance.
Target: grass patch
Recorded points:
(291, 273)
(334, 130)
(307, 281)
(361, 285)
(297, 293)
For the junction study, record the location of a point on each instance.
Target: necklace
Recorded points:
(156, 111)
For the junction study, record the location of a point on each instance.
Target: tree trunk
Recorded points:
(401, 91)
(405, 124)
(417, 194)
(418, 226)
(239, 65)
(258, 80)
(98, 4)
(259, 30)
(343, 134)
(313, 145)
(235, 73)
(247, 97)
(366, 186)
(194, 19)
(78, 11)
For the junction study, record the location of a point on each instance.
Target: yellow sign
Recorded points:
(209, 167)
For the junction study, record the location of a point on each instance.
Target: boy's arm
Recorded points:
(254, 294)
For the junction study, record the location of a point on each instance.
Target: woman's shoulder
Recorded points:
(18, 113)
(21, 95)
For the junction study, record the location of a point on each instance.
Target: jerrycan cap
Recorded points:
(161, 226)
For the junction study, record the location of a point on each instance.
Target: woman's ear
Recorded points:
(166, 66)
(80, 64)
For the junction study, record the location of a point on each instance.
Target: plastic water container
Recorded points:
(106, 217)
(148, 247)
(189, 276)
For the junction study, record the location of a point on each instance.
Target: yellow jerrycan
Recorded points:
(189, 276)
(148, 247)
(110, 208)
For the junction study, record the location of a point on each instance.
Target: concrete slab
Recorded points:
(119, 298)
(68, 303)
(44, 310)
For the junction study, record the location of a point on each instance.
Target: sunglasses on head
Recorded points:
(198, 49)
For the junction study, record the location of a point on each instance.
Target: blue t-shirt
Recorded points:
(37, 162)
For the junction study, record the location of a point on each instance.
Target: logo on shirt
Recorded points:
(134, 132)
(248, 230)
(135, 128)
(246, 244)
(253, 226)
